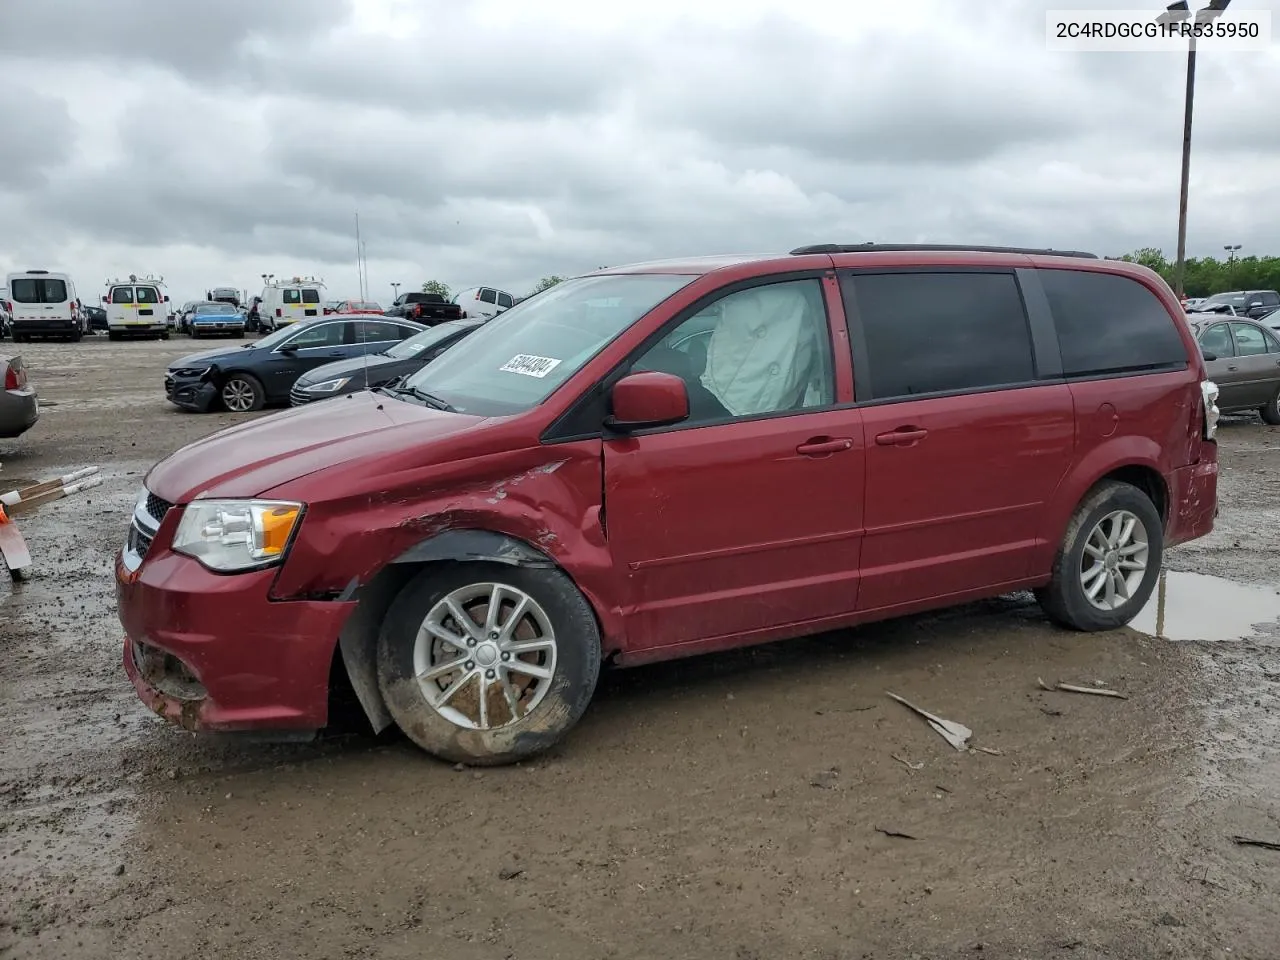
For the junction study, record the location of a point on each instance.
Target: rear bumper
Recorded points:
(212, 652)
(19, 410)
(156, 326)
(45, 325)
(1194, 498)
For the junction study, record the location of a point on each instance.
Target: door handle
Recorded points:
(818, 446)
(901, 437)
(1233, 368)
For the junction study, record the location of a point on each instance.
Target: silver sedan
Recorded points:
(19, 409)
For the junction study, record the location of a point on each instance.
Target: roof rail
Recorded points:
(957, 247)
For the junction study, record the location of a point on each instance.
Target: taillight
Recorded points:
(14, 381)
(1209, 401)
(477, 296)
(279, 312)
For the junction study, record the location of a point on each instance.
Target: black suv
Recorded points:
(1253, 304)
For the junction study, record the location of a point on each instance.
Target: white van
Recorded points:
(485, 302)
(136, 307)
(45, 305)
(288, 301)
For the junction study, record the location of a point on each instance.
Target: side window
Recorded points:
(934, 332)
(377, 331)
(1108, 323)
(291, 296)
(1249, 342)
(504, 300)
(489, 296)
(404, 333)
(757, 351)
(1217, 340)
(320, 335)
(1270, 298)
(1273, 344)
(122, 295)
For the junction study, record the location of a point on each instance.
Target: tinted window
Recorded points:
(148, 295)
(757, 351)
(1269, 299)
(377, 331)
(1273, 344)
(932, 332)
(32, 290)
(1249, 342)
(489, 296)
(310, 296)
(1217, 340)
(216, 309)
(292, 296)
(320, 335)
(122, 294)
(504, 300)
(1108, 323)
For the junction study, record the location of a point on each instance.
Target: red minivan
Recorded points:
(671, 458)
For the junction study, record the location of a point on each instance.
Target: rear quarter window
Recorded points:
(1108, 323)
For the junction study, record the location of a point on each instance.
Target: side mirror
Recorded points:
(1209, 356)
(649, 399)
(288, 351)
(104, 298)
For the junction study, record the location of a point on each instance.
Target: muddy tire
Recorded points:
(242, 393)
(1108, 561)
(113, 335)
(1271, 412)
(505, 687)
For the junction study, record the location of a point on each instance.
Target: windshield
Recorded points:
(1235, 299)
(217, 309)
(517, 360)
(425, 340)
(276, 337)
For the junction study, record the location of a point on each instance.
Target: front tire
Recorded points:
(482, 689)
(1108, 562)
(242, 393)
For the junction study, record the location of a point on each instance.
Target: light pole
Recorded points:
(1177, 13)
(1231, 249)
(395, 292)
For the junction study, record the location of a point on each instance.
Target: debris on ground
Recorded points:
(13, 548)
(956, 734)
(907, 763)
(1250, 842)
(991, 750)
(825, 779)
(895, 833)
(509, 873)
(1074, 688)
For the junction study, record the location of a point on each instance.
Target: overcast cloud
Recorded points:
(497, 141)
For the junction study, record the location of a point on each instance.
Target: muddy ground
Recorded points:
(729, 806)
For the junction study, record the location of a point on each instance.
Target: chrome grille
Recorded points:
(157, 507)
(298, 397)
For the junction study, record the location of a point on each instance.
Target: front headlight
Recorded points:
(328, 386)
(190, 371)
(233, 535)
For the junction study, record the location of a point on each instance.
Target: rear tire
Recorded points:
(76, 335)
(1271, 412)
(500, 713)
(242, 393)
(113, 335)
(1115, 529)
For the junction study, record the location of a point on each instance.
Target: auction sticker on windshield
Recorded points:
(529, 365)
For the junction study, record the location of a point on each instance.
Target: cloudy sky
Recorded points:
(497, 141)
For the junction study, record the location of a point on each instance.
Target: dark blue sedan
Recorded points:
(250, 376)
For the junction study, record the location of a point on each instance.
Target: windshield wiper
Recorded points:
(421, 395)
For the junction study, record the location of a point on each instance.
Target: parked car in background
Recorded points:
(1245, 303)
(44, 305)
(358, 306)
(224, 295)
(1190, 303)
(254, 321)
(289, 301)
(207, 319)
(566, 488)
(96, 319)
(136, 308)
(331, 306)
(6, 313)
(255, 374)
(375, 370)
(19, 408)
(483, 301)
(428, 308)
(1243, 359)
(1210, 309)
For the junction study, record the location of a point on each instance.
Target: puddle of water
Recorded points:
(1196, 606)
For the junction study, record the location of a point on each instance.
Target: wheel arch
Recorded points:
(358, 640)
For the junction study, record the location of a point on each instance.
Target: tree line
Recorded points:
(1207, 276)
